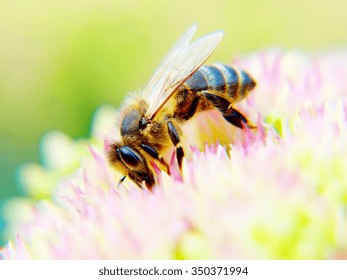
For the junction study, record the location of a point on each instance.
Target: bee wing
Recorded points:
(180, 63)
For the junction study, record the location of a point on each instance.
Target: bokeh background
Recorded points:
(61, 59)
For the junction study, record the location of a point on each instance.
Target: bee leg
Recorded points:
(229, 113)
(187, 114)
(237, 119)
(175, 138)
(155, 154)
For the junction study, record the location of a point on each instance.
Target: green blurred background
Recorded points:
(61, 59)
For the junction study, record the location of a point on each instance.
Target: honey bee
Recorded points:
(180, 88)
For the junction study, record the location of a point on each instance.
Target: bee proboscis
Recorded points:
(181, 87)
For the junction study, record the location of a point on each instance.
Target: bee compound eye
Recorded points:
(129, 157)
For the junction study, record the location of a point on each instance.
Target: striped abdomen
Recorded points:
(228, 82)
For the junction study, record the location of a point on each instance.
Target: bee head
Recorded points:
(131, 123)
(131, 163)
(134, 119)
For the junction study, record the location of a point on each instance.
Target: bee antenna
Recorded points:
(121, 181)
(143, 123)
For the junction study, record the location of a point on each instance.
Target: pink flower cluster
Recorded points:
(279, 192)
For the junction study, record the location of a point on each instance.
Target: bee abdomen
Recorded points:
(226, 80)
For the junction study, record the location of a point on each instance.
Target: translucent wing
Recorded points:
(180, 63)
